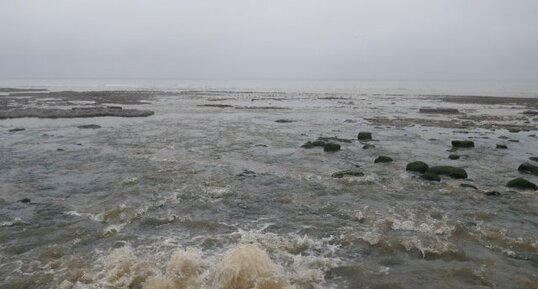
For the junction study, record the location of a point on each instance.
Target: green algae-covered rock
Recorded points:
(431, 176)
(383, 159)
(331, 147)
(462, 143)
(417, 166)
(454, 157)
(364, 135)
(454, 172)
(528, 168)
(521, 183)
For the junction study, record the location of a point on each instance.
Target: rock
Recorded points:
(503, 137)
(514, 130)
(283, 120)
(25, 200)
(364, 136)
(59, 149)
(333, 138)
(521, 183)
(331, 147)
(368, 146)
(417, 166)
(513, 140)
(454, 157)
(439, 110)
(16, 129)
(501, 146)
(431, 176)
(74, 112)
(247, 173)
(311, 144)
(454, 172)
(531, 112)
(468, 186)
(383, 159)
(492, 193)
(462, 143)
(346, 173)
(89, 126)
(216, 105)
(528, 168)
(534, 159)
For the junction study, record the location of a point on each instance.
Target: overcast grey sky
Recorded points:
(277, 39)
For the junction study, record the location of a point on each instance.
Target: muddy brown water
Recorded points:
(219, 197)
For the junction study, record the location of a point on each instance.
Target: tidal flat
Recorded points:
(267, 189)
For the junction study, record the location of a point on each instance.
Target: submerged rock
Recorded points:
(492, 193)
(468, 186)
(383, 159)
(439, 110)
(16, 129)
(89, 126)
(454, 157)
(312, 144)
(534, 159)
(247, 173)
(453, 172)
(364, 136)
(331, 147)
(501, 146)
(431, 176)
(74, 112)
(333, 138)
(346, 173)
(417, 166)
(24, 201)
(368, 146)
(521, 183)
(283, 120)
(462, 143)
(528, 168)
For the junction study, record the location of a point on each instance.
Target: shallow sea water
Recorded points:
(166, 202)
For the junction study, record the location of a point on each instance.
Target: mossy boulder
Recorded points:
(417, 166)
(463, 143)
(347, 173)
(331, 147)
(383, 159)
(364, 136)
(528, 168)
(453, 172)
(431, 176)
(454, 157)
(501, 146)
(521, 183)
(308, 145)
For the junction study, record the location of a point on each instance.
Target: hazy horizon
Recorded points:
(281, 40)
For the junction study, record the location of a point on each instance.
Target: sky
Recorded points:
(272, 39)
